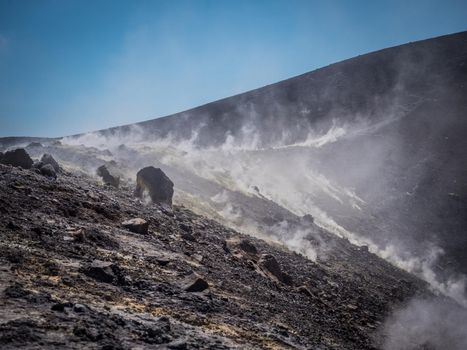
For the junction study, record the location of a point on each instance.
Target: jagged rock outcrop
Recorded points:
(47, 166)
(108, 178)
(18, 157)
(48, 159)
(156, 183)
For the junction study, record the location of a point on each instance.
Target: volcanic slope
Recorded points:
(379, 142)
(71, 276)
(373, 146)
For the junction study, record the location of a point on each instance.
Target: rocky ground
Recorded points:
(72, 276)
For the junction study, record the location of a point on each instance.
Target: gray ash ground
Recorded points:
(71, 276)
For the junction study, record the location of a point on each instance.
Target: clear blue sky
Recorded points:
(71, 66)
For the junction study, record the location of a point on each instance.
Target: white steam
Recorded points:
(283, 173)
(434, 324)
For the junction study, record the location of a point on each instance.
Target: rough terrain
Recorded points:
(372, 148)
(71, 276)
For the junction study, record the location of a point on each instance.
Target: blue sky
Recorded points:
(71, 66)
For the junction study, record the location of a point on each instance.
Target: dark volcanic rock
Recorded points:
(269, 263)
(19, 331)
(136, 225)
(48, 170)
(247, 246)
(93, 236)
(307, 219)
(80, 308)
(108, 178)
(188, 236)
(61, 307)
(158, 185)
(37, 165)
(48, 159)
(18, 157)
(101, 271)
(16, 291)
(198, 285)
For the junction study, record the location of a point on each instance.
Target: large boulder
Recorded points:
(48, 159)
(156, 183)
(107, 177)
(17, 157)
